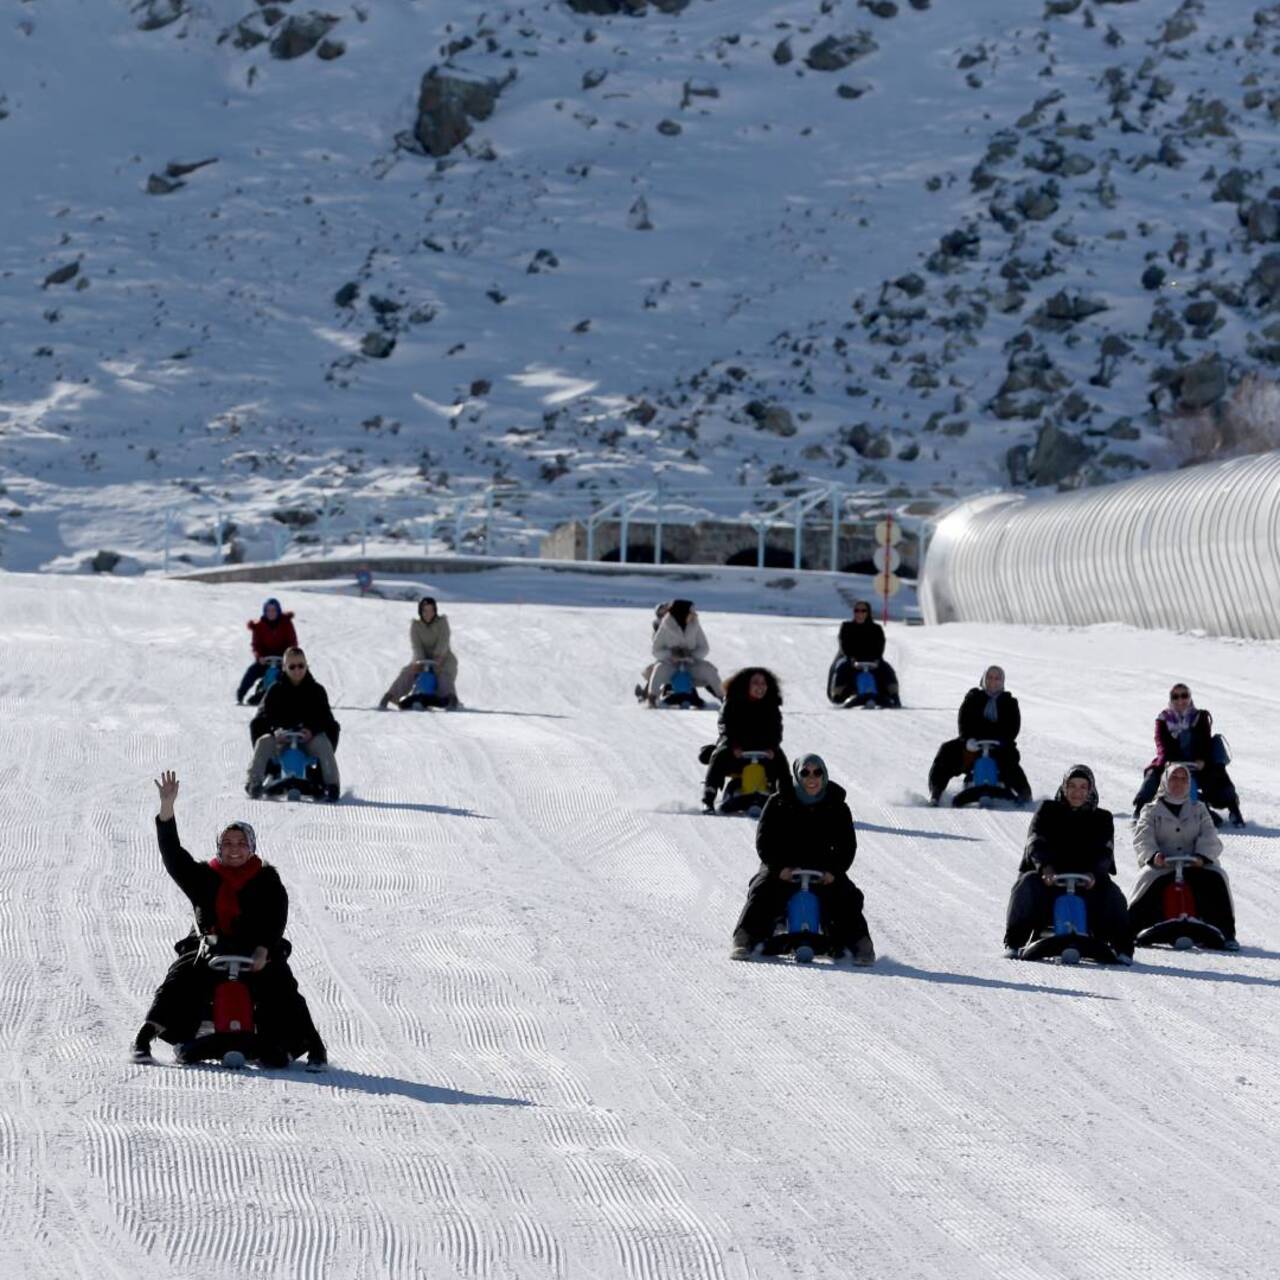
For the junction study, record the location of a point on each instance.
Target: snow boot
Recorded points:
(864, 952)
(1236, 817)
(331, 792)
(1230, 944)
(746, 951)
(708, 800)
(141, 1051)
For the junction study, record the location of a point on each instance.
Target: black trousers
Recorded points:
(953, 760)
(1031, 909)
(842, 681)
(723, 762)
(766, 904)
(183, 1000)
(254, 672)
(1214, 784)
(1213, 901)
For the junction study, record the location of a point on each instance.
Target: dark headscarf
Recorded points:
(680, 610)
(1079, 771)
(266, 604)
(801, 794)
(431, 600)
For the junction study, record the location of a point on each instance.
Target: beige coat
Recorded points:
(429, 641)
(1160, 830)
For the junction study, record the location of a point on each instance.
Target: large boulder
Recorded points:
(154, 14)
(837, 52)
(447, 103)
(1203, 383)
(300, 33)
(1057, 455)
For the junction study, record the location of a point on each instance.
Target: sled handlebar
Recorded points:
(753, 755)
(231, 965)
(804, 876)
(1179, 862)
(987, 744)
(1070, 879)
(424, 664)
(272, 660)
(865, 666)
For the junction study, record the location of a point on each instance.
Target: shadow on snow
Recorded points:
(352, 802)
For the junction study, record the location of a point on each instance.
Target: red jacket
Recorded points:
(271, 639)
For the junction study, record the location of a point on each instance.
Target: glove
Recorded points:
(972, 745)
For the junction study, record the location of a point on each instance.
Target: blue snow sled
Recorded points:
(265, 681)
(293, 774)
(801, 935)
(1070, 940)
(679, 692)
(425, 693)
(983, 783)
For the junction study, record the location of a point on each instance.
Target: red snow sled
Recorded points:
(234, 1039)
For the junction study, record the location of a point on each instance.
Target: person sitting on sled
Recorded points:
(1173, 824)
(430, 640)
(989, 712)
(241, 908)
(1069, 834)
(297, 701)
(806, 825)
(680, 638)
(269, 636)
(1185, 732)
(750, 720)
(862, 640)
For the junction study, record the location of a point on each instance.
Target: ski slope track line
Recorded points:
(513, 933)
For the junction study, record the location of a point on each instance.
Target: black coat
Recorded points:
(753, 725)
(264, 904)
(288, 705)
(820, 836)
(974, 723)
(862, 641)
(1067, 839)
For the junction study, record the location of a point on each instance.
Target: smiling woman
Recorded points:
(241, 909)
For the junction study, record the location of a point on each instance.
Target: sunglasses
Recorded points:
(811, 773)
(296, 666)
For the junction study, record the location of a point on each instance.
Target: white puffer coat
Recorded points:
(1160, 830)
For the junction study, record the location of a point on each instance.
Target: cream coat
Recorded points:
(671, 641)
(1159, 830)
(428, 640)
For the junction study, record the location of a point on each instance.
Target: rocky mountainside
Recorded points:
(257, 253)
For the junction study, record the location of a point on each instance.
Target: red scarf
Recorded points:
(226, 906)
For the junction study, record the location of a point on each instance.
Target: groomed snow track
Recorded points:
(513, 933)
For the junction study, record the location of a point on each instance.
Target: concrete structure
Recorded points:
(731, 542)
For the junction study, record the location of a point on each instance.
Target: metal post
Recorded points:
(324, 525)
(281, 538)
(431, 533)
(591, 536)
(799, 528)
(219, 532)
(488, 521)
(364, 533)
(835, 528)
(168, 526)
(623, 521)
(760, 545)
(657, 528)
(459, 523)
(888, 546)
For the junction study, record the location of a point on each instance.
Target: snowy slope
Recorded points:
(542, 336)
(513, 932)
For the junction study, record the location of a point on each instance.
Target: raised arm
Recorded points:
(180, 865)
